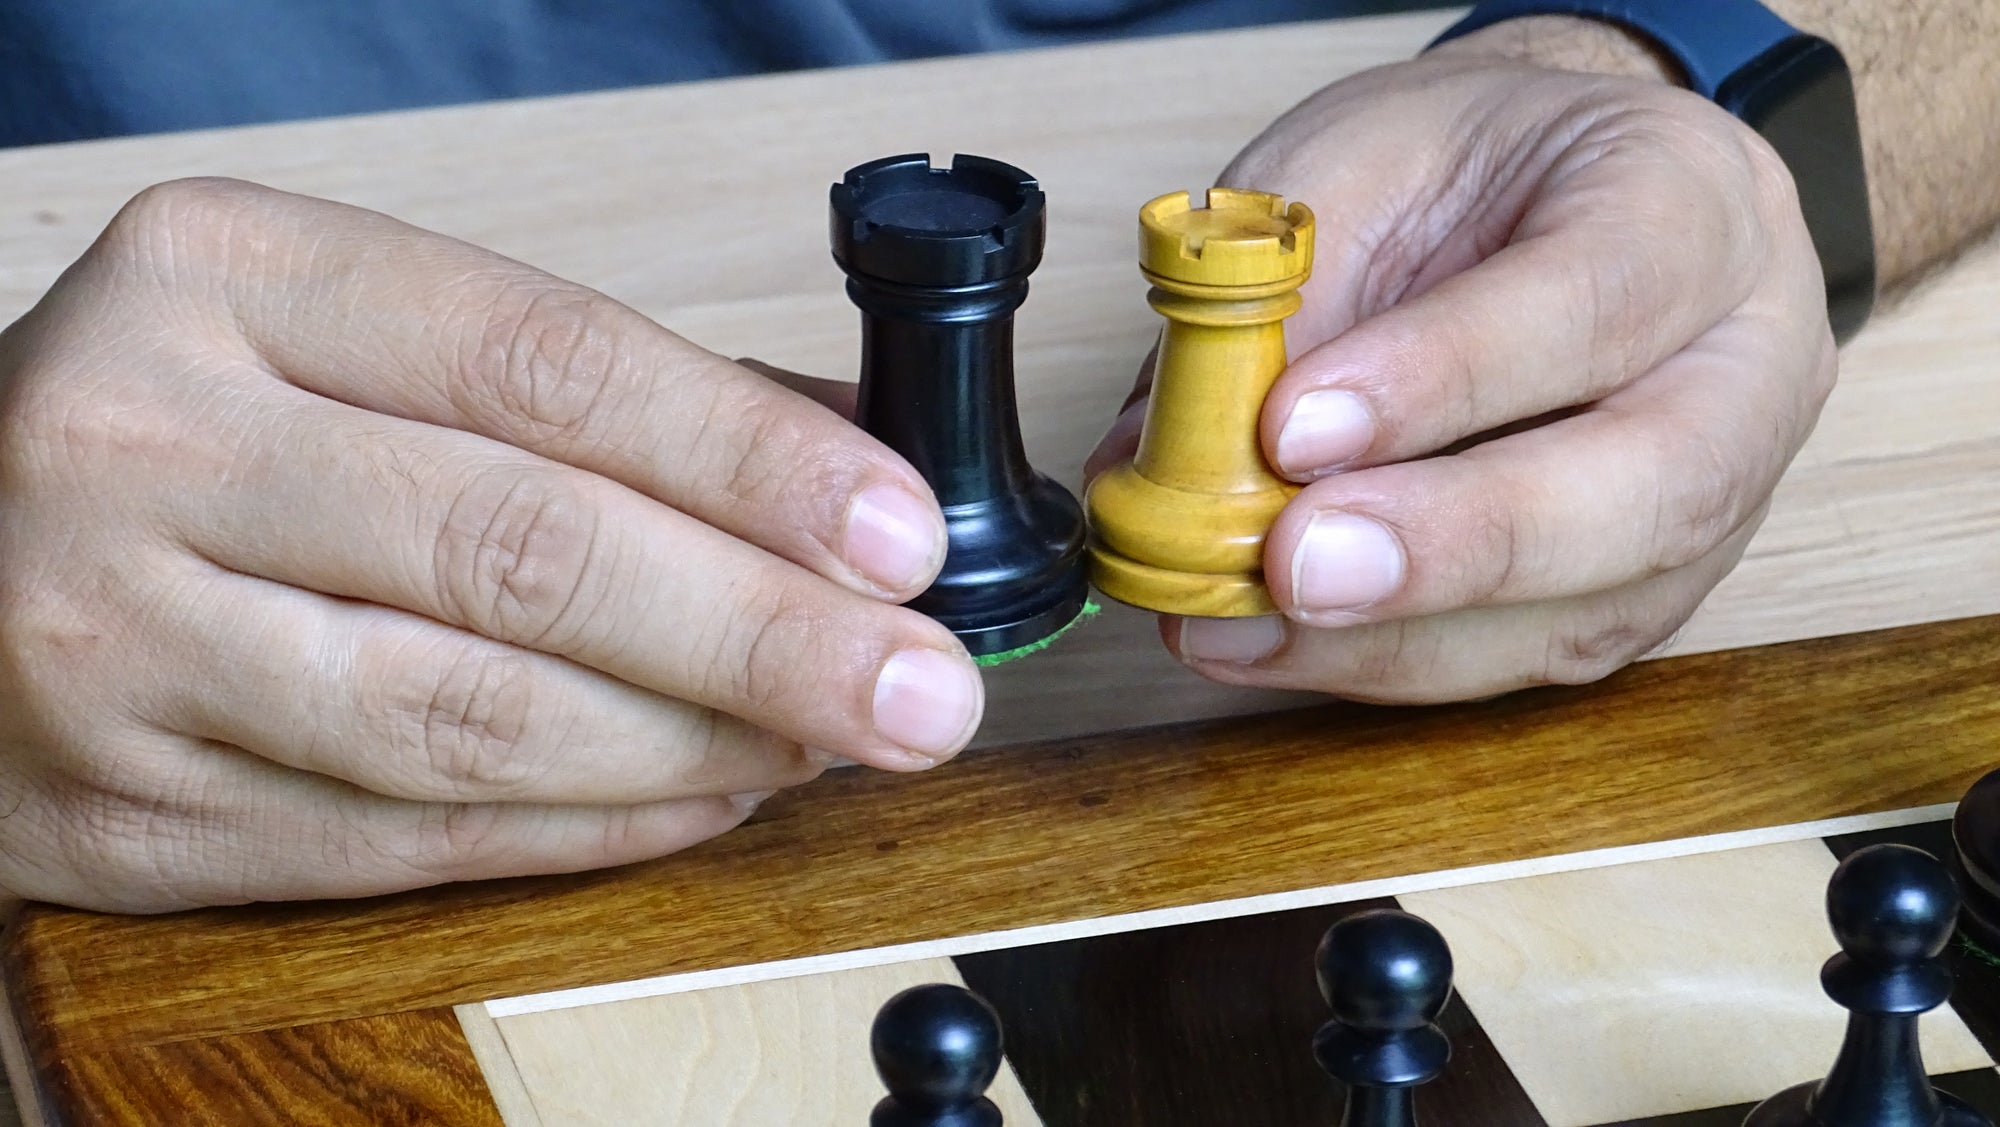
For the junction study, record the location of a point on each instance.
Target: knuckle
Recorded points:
(755, 452)
(1749, 192)
(82, 423)
(1472, 547)
(757, 462)
(548, 364)
(141, 851)
(98, 766)
(53, 419)
(1775, 190)
(72, 410)
(39, 650)
(1699, 505)
(621, 832)
(196, 216)
(1585, 652)
(516, 556)
(717, 749)
(1496, 540)
(764, 635)
(1398, 657)
(1689, 220)
(472, 731)
(451, 836)
(1628, 296)
(706, 745)
(77, 431)
(1823, 376)
(1769, 231)
(1453, 361)
(97, 833)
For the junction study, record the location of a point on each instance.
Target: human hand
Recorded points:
(1564, 333)
(338, 557)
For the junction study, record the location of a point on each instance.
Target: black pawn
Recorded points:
(1975, 831)
(1892, 908)
(1386, 975)
(937, 260)
(936, 1049)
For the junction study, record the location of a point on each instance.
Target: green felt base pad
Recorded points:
(1090, 609)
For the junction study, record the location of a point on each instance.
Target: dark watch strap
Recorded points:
(1710, 39)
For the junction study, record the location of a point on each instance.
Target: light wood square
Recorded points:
(766, 1054)
(1660, 986)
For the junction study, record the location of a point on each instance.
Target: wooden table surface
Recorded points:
(703, 206)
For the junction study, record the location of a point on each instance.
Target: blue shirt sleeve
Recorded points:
(71, 70)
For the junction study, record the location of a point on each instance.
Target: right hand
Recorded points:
(338, 557)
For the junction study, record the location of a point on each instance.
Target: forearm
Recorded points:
(1927, 80)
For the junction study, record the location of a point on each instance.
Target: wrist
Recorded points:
(1575, 43)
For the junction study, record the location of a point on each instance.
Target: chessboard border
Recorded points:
(1039, 834)
(1036, 984)
(1381, 888)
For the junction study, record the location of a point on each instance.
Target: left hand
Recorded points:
(1564, 333)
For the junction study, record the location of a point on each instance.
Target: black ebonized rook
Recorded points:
(936, 1048)
(1975, 834)
(938, 259)
(1892, 908)
(1386, 975)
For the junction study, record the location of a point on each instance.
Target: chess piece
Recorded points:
(1892, 909)
(938, 260)
(1975, 831)
(1386, 975)
(936, 1049)
(1181, 527)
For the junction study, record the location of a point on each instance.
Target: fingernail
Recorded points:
(1239, 640)
(1326, 430)
(893, 538)
(823, 759)
(927, 701)
(1345, 561)
(750, 801)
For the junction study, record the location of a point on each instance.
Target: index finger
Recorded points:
(1633, 247)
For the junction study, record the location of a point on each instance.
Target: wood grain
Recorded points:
(496, 1066)
(789, 1050)
(18, 1105)
(1205, 1023)
(1641, 991)
(1890, 517)
(1662, 986)
(395, 1070)
(1981, 1089)
(1070, 830)
(703, 206)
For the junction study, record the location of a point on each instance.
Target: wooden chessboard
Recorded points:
(1844, 670)
(1012, 863)
(1673, 983)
